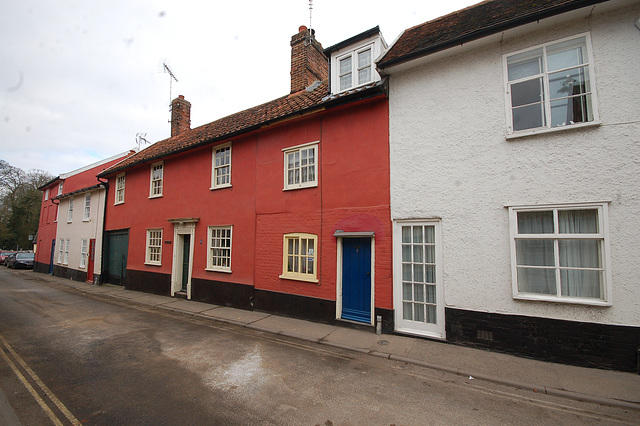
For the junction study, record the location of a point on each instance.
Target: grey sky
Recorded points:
(79, 78)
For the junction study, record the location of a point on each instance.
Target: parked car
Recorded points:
(22, 261)
(4, 255)
(7, 258)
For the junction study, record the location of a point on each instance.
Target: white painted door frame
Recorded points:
(182, 227)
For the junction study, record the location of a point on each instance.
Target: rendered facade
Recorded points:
(520, 213)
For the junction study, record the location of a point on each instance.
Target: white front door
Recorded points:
(417, 283)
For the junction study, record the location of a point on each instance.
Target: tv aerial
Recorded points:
(172, 77)
(140, 138)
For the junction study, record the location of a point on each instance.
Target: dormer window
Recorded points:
(353, 60)
(355, 68)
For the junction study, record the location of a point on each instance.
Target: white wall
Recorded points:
(450, 158)
(79, 229)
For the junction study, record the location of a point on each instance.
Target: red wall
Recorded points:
(352, 195)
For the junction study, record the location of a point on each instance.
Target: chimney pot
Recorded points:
(302, 29)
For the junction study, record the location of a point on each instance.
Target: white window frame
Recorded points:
(156, 190)
(217, 245)
(84, 248)
(70, 210)
(65, 261)
(154, 242)
(120, 185)
(298, 258)
(87, 207)
(46, 194)
(547, 126)
(353, 54)
(60, 186)
(60, 251)
(602, 235)
(298, 149)
(215, 168)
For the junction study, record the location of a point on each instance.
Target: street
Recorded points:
(71, 358)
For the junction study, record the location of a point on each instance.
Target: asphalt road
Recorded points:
(69, 358)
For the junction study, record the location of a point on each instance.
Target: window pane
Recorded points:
(364, 75)
(364, 58)
(578, 221)
(406, 253)
(418, 273)
(406, 234)
(527, 92)
(417, 234)
(431, 294)
(406, 272)
(430, 234)
(529, 117)
(537, 280)
(524, 65)
(535, 253)
(406, 291)
(431, 314)
(407, 311)
(431, 254)
(345, 81)
(580, 253)
(566, 54)
(418, 312)
(418, 293)
(580, 283)
(535, 222)
(345, 65)
(417, 254)
(569, 82)
(431, 274)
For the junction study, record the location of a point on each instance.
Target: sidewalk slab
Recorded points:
(188, 306)
(292, 327)
(351, 338)
(150, 299)
(236, 316)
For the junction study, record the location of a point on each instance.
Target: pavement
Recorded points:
(611, 388)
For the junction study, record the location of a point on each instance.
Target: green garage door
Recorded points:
(116, 259)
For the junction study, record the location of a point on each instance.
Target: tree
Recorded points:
(20, 202)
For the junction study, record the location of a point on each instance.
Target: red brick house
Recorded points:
(283, 207)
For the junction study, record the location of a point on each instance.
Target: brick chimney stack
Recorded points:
(308, 62)
(180, 115)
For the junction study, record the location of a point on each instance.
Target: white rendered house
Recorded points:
(515, 159)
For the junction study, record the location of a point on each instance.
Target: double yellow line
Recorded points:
(6, 348)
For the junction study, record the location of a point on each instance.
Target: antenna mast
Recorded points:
(171, 78)
(310, 13)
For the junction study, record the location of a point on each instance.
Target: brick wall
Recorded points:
(308, 62)
(180, 115)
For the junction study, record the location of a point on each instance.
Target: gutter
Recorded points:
(487, 31)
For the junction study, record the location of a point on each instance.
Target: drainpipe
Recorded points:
(104, 221)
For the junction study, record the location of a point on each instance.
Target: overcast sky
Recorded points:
(80, 78)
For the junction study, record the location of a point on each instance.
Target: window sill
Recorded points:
(293, 188)
(213, 188)
(152, 264)
(563, 300)
(539, 131)
(224, 271)
(155, 196)
(117, 204)
(307, 280)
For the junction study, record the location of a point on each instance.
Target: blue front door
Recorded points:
(356, 279)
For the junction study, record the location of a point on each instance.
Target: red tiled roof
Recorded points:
(474, 22)
(228, 126)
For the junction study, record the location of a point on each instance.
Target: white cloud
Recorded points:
(79, 79)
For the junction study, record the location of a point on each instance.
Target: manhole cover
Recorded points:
(383, 342)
